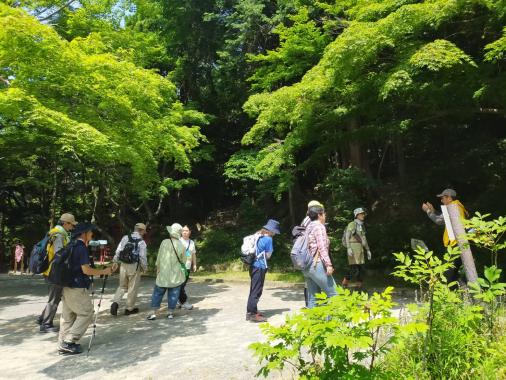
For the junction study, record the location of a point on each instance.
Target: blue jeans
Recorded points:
(172, 297)
(317, 281)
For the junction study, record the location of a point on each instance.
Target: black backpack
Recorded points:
(38, 258)
(61, 272)
(130, 252)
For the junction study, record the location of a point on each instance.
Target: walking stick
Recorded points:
(96, 314)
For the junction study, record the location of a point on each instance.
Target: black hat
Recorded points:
(81, 228)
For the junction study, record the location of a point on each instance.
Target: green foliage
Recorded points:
(341, 338)
(488, 234)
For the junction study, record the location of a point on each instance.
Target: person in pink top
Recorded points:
(319, 275)
(19, 254)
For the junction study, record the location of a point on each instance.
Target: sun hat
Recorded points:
(358, 211)
(175, 230)
(82, 228)
(314, 203)
(273, 226)
(69, 218)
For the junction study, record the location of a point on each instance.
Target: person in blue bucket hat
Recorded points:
(258, 269)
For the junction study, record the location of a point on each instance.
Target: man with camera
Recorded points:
(77, 311)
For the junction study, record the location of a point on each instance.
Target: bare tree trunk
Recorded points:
(358, 158)
(466, 254)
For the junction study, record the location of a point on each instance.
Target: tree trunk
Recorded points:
(358, 157)
(52, 218)
(401, 161)
(460, 232)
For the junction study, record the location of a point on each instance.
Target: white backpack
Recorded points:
(249, 248)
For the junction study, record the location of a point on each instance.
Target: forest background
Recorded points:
(220, 114)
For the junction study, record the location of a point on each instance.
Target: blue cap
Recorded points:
(273, 226)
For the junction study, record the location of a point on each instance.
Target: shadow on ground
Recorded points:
(119, 340)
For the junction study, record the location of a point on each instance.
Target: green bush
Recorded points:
(342, 338)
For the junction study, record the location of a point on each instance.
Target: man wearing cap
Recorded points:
(130, 273)
(77, 311)
(356, 244)
(258, 269)
(58, 238)
(447, 197)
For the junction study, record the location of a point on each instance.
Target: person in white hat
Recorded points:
(59, 237)
(132, 254)
(170, 272)
(355, 242)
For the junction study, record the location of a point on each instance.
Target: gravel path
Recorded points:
(208, 342)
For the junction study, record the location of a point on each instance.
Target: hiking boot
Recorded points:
(151, 317)
(70, 348)
(114, 308)
(255, 317)
(187, 306)
(48, 328)
(345, 282)
(170, 316)
(133, 311)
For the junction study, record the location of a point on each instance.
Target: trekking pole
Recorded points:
(96, 314)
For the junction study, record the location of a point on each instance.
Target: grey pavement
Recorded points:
(209, 342)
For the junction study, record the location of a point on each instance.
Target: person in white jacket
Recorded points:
(132, 255)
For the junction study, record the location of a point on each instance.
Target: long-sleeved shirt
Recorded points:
(142, 247)
(170, 273)
(319, 242)
(439, 220)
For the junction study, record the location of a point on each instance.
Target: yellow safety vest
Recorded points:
(463, 214)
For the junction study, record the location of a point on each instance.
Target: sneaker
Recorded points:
(255, 317)
(187, 306)
(48, 328)
(114, 308)
(170, 316)
(70, 348)
(133, 311)
(151, 317)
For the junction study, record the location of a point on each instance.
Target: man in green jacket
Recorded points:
(355, 242)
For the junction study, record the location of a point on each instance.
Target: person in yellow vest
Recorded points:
(59, 237)
(447, 197)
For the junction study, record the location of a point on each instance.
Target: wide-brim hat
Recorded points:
(272, 226)
(358, 211)
(175, 230)
(82, 227)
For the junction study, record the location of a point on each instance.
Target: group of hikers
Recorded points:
(177, 258)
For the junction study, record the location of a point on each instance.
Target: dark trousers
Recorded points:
(452, 274)
(183, 297)
(354, 270)
(257, 276)
(55, 293)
